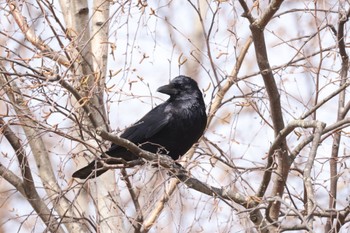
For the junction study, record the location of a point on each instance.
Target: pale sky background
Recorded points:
(243, 137)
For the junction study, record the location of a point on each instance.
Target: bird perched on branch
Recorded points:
(170, 128)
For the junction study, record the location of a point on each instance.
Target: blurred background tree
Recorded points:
(274, 75)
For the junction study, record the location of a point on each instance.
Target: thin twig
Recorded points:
(311, 202)
(32, 37)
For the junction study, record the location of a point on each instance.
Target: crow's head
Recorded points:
(181, 86)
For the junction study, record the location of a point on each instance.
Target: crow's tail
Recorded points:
(92, 170)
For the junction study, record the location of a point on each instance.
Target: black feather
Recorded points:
(170, 128)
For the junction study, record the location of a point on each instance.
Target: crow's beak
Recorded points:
(168, 89)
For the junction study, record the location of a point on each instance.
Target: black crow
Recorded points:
(170, 128)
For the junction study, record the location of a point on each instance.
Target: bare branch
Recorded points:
(33, 38)
(63, 207)
(343, 18)
(157, 210)
(257, 28)
(27, 187)
(275, 145)
(139, 215)
(229, 82)
(180, 173)
(311, 202)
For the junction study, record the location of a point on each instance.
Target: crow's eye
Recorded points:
(178, 86)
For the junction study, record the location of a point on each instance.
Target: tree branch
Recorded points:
(139, 215)
(311, 202)
(153, 216)
(343, 18)
(216, 103)
(257, 28)
(182, 175)
(26, 187)
(37, 145)
(33, 38)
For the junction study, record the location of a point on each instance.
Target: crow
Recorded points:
(170, 128)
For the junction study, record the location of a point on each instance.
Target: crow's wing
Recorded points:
(140, 132)
(148, 126)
